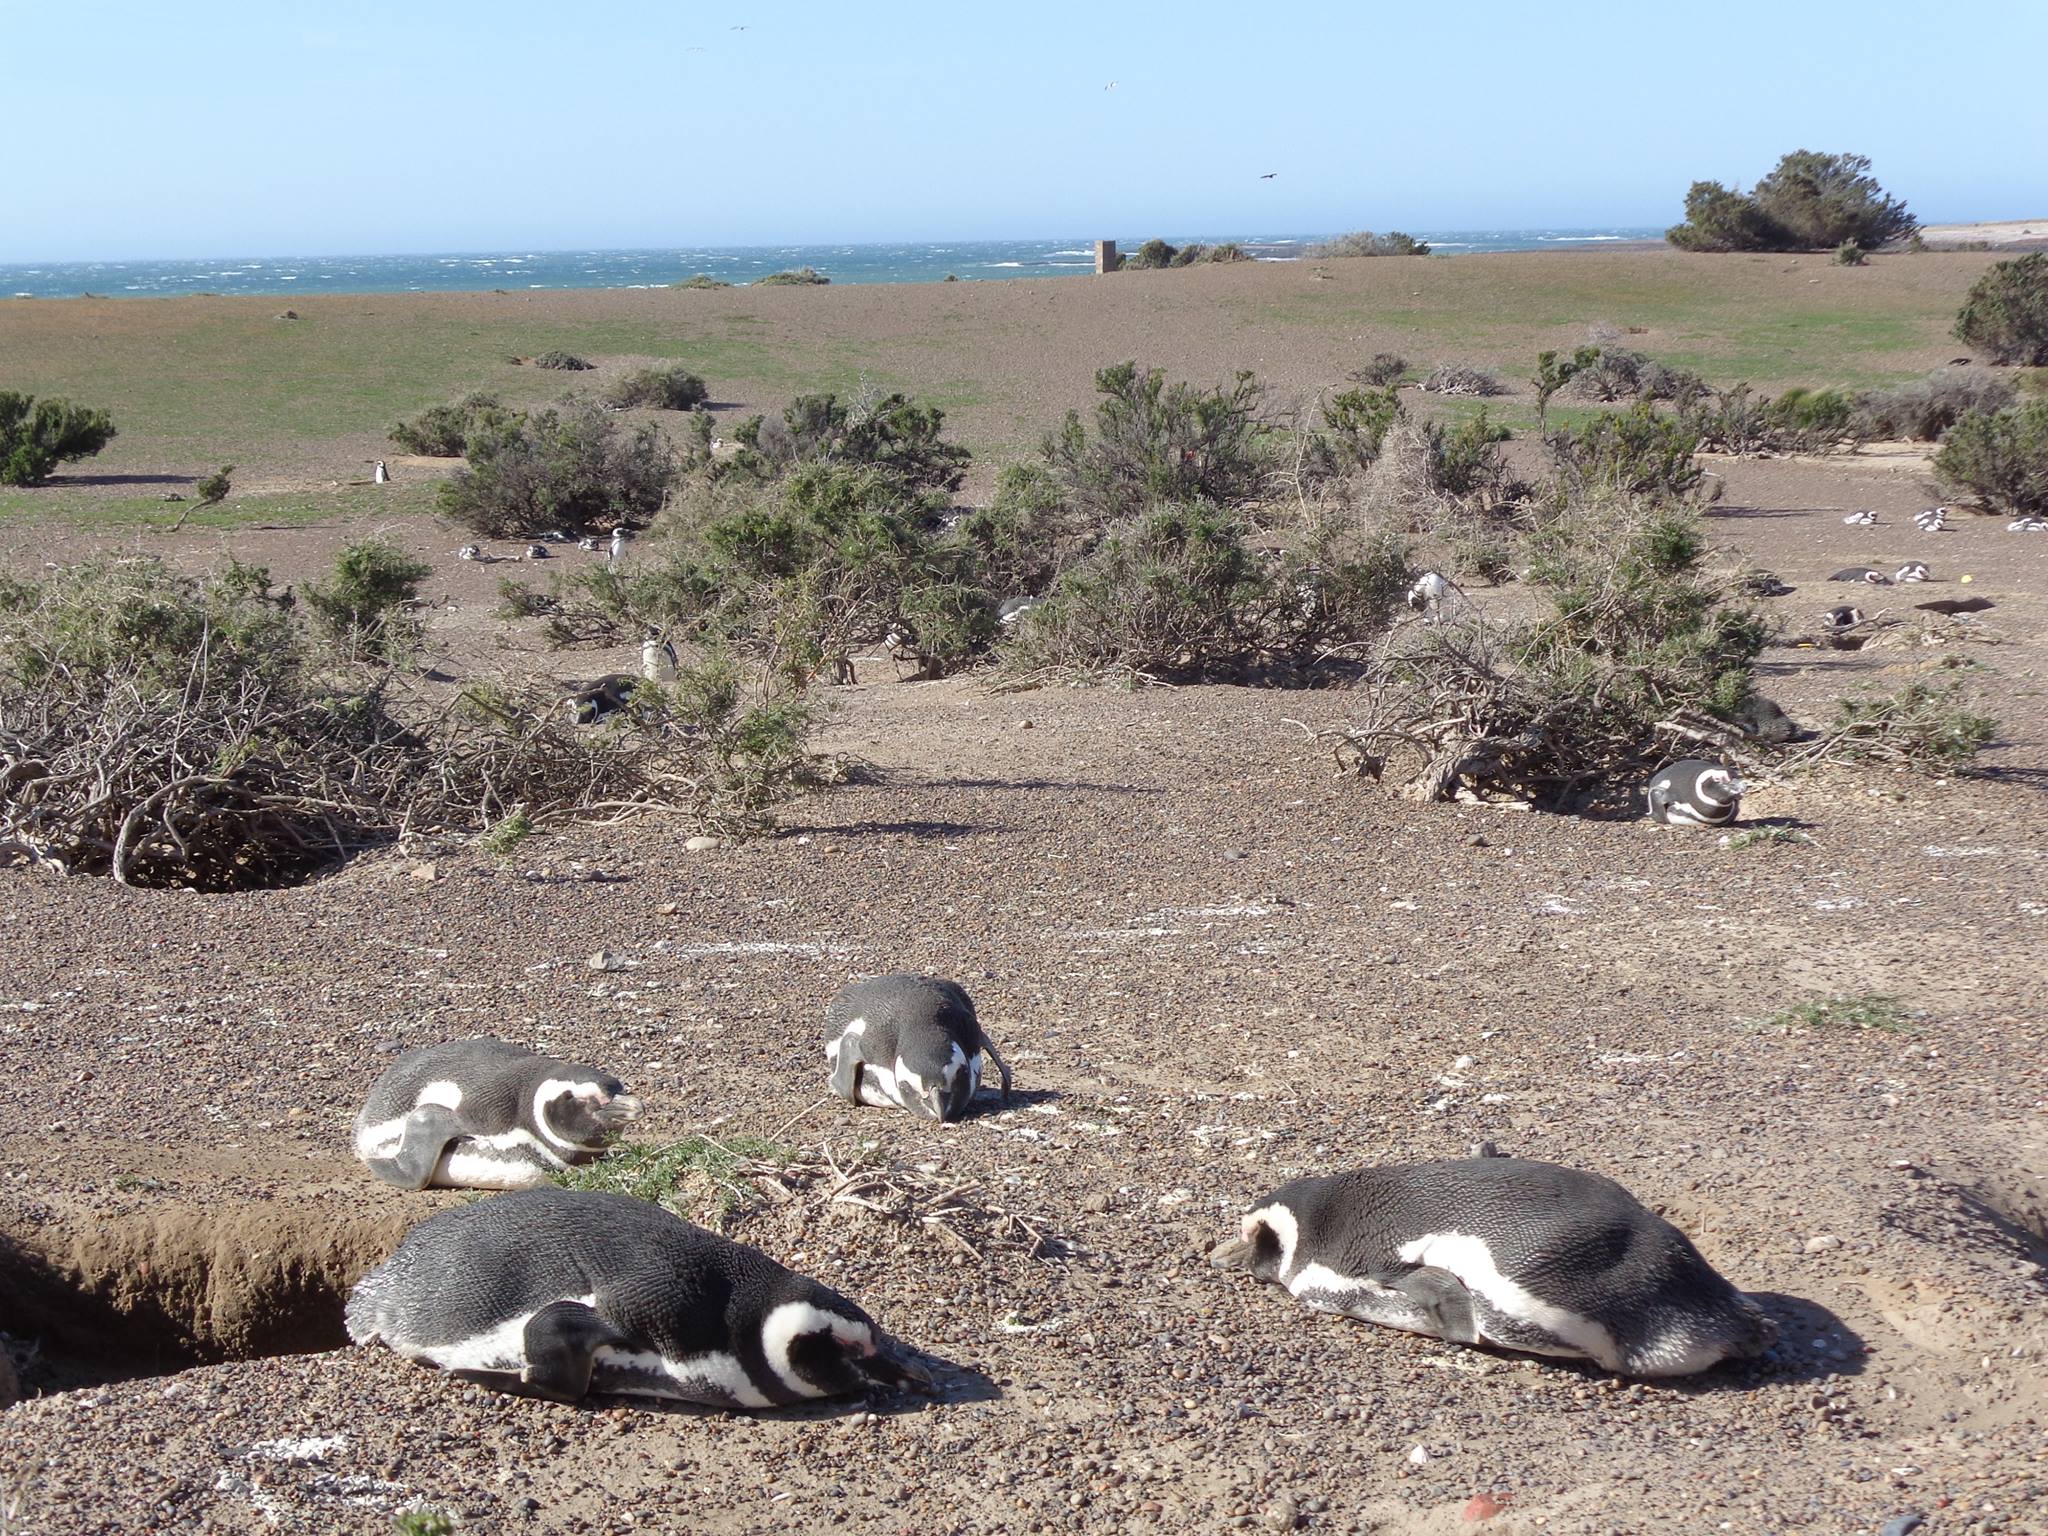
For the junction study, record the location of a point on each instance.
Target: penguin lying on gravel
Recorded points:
(1502, 1251)
(1694, 793)
(557, 1293)
(483, 1114)
(1862, 573)
(908, 1042)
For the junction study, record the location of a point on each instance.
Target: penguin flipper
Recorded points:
(562, 1340)
(1001, 1066)
(427, 1134)
(1443, 1300)
(846, 1067)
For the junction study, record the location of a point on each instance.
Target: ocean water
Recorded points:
(910, 262)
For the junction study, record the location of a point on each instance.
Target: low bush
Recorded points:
(1384, 371)
(2006, 312)
(574, 470)
(1999, 457)
(794, 277)
(364, 605)
(1154, 255)
(1850, 254)
(1213, 255)
(1636, 453)
(1462, 379)
(1155, 442)
(1809, 202)
(1353, 426)
(892, 433)
(703, 280)
(444, 431)
(564, 362)
(213, 489)
(192, 731)
(665, 387)
(1935, 729)
(1466, 461)
(1926, 408)
(1364, 242)
(38, 435)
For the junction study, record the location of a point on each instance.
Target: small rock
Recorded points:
(1096, 1203)
(423, 872)
(1477, 840)
(605, 960)
(1232, 855)
(1418, 1456)
(1483, 1149)
(1484, 1506)
(669, 908)
(1024, 725)
(1903, 1525)
(701, 842)
(1822, 1244)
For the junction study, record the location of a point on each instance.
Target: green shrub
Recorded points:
(1022, 538)
(2000, 457)
(703, 280)
(1813, 420)
(894, 434)
(214, 488)
(1926, 408)
(364, 605)
(794, 277)
(1384, 371)
(1151, 256)
(38, 435)
(1461, 379)
(666, 387)
(573, 469)
(1155, 442)
(1808, 202)
(2006, 312)
(1870, 1010)
(1364, 242)
(1635, 453)
(1466, 459)
(1354, 424)
(565, 362)
(444, 431)
(1850, 254)
(1934, 729)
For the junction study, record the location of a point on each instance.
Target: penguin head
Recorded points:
(583, 1113)
(1721, 785)
(822, 1345)
(1264, 1245)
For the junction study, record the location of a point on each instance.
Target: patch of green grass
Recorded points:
(423, 1522)
(507, 834)
(1752, 837)
(696, 1174)
(289, 509)
(1868, 1010)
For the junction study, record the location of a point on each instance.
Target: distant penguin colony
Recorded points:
(1861, 519)
(908, 1042)
(1498, 1250)
(1694, 794)
(556, 1293)
(485, 1114)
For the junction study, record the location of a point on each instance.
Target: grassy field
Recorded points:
(302, 405)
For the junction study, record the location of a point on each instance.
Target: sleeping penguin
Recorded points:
(1694, 794)
(483, 1114)
(558, 1293)
(908, 1042)
(1497, 1250)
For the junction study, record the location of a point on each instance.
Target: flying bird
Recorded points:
(1269, 175)
(1111, 86)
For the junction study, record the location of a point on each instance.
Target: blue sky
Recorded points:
(244, 129)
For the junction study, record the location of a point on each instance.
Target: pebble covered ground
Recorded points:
(1213, 964)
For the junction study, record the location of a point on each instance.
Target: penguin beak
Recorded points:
(1233, 1253)
(891, 1366)
(1737, 787)
(619, 1109)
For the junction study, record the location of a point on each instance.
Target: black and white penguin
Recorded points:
(470, 552)
(616, 550)
(1761, 719)
(1933, 520)
(380, 475)
(1841, 618)
(1694, 793)
(1435, 596)
(1765, 584)
(1498, 1250)
(537, 552)
(558, 1293)
(589, 545)
(908, 1042)
(1862, 573)
(1912, 570)
(1864, 519)
(1013, 609)
(2027, 525)
(486, 1114)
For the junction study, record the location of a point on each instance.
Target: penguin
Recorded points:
(1693, 793)
(1841, 618)
(1865, 519)
(1912, 570)
(617, 549)
(469, 552)
(555, 536)
(658, 661)
(600, 700)
(1761, 719)
(1862, 573)
(1013, 610)
(2027, 525)
(559, 1293)
(588, 545)
(380, 475)
(908, 1042)
(1933, 520)
(1504, 1251)
(537, 552)
(486, 1114)
(1765, 584)
(1434, 596)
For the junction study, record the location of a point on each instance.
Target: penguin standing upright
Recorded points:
(486, 1114)
(1499, 1250)
(380, 475)
(1693, 793)
(557, 1293)
(908, 1042)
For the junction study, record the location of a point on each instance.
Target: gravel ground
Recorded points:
(1214, 965)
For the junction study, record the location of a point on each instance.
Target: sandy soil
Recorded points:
(2000, 235)
(1214, 964)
